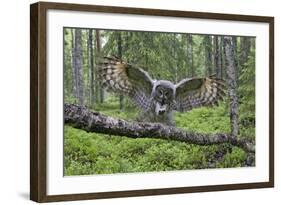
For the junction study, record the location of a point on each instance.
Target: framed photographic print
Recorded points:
(134, 102)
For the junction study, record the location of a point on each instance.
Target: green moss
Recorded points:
(93, 153)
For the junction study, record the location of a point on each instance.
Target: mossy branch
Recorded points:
(82, 118)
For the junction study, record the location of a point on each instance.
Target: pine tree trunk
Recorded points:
(77, 57)
(208, 54)
(74, 73)
(79, 63)
(190, 72)
(175, 62)
(235, 51)
(245, 45)
(66, 81)
(119, 48)
(232, 84)
(91, 68)
(98, 45)
(217, 57)
(222, 51)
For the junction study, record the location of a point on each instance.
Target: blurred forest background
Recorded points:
(165, 56)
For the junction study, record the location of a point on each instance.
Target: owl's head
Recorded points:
(163, 94)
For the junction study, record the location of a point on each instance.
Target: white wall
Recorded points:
(14, 101)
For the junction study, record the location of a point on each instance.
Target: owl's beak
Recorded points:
(160, 109)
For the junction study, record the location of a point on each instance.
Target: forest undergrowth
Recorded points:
(93, 153)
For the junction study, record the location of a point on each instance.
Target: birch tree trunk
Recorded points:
(231, 79)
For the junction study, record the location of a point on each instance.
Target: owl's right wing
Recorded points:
(123, 78)
(196, 92)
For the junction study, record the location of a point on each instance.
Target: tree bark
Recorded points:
(91, 67)
(98, 45)
(77, 66)
(245, 45)
(80, 117)
(208, 54)
(235, 51)
(217, 57)
(119, 48)
(222, 51)
(190, 72)
(232, 84)
(175, 61)
(74, 83)
(66, 69)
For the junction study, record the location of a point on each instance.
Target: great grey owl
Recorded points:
(159, 98)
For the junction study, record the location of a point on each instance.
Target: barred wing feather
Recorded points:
(196, 92)
(126, 79)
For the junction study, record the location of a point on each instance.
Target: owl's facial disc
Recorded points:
(163, 95)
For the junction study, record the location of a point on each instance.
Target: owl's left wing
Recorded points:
(196, 92)
(126, 79)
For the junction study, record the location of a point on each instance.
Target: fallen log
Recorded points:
(82, 118)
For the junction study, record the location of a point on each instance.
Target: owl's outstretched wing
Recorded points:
(126, 79)
(196, 92)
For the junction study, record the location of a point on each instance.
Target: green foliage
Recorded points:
(67, 74)
(93, 153)
(234, 159)
(205, 119)
(111, 108)
(246, 91)
(149, 50)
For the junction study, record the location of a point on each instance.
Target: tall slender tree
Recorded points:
(74, 82)
(190, 72)
(208, 54)
(235, 52)
(77, 59)
(119, 48)
(175, 60)
(245, 45)
(223, 63)
(231, 79)
(91, 68)
(67, 62)
(217, 57)
(98, 46)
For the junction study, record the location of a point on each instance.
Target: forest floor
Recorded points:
(93, 153)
